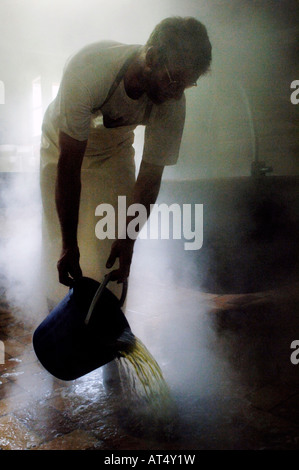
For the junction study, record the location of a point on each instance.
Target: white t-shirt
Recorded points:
(80, 110)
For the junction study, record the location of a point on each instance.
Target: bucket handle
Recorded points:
(98, 293)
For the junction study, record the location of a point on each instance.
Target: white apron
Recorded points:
(108, 171)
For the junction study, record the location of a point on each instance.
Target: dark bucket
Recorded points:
(86, 330)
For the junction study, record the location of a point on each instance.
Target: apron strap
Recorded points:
(120, 75)
(147, 113)
(117, 81)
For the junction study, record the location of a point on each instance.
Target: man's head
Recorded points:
(178, 52)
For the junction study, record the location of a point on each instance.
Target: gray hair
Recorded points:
(185, 40)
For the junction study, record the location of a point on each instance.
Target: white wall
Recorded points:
(253, 52)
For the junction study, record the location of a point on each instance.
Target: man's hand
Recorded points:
(68, 266)
(145, 192)
(123, 250)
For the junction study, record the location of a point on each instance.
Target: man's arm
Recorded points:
(68, 190)
(145, 192)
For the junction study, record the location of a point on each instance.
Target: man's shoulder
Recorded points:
(104, 45)
(99, 53)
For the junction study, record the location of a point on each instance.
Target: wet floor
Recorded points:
(226, 360)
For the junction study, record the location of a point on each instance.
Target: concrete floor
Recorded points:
(226, 360)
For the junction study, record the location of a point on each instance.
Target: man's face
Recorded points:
(167, 83)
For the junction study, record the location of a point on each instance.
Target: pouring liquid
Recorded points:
(147, 381)
(149, 400)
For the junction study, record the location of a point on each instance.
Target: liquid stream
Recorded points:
(143, 383)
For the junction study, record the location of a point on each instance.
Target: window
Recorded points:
(55, 88)
(37, 103)
(37, 106)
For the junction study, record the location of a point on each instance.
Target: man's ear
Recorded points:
(152, 57)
